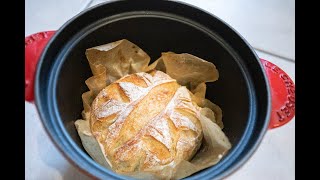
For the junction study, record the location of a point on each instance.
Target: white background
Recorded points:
(268, 25)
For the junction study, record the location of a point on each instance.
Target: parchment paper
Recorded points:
(114, 60)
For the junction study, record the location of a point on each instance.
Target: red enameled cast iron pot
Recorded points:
(254, 94)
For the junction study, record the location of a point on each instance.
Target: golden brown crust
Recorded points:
(145, 122)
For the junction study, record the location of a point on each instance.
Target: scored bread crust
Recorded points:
(145, 122)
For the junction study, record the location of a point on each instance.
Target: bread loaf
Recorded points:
(145, 122)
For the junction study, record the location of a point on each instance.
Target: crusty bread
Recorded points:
(146, 122)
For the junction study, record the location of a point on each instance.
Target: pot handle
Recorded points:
(33, 45)
(282, 95)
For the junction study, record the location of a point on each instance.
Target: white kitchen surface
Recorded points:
(267, 25)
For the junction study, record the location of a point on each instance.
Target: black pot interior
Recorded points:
(156, 35)
(241, 90)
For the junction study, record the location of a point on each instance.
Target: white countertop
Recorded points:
(267, 25)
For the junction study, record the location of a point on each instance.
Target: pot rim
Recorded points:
(72, 152)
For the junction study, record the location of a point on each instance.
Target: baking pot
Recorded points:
(253, 94)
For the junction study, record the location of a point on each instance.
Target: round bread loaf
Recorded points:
(145, 122)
